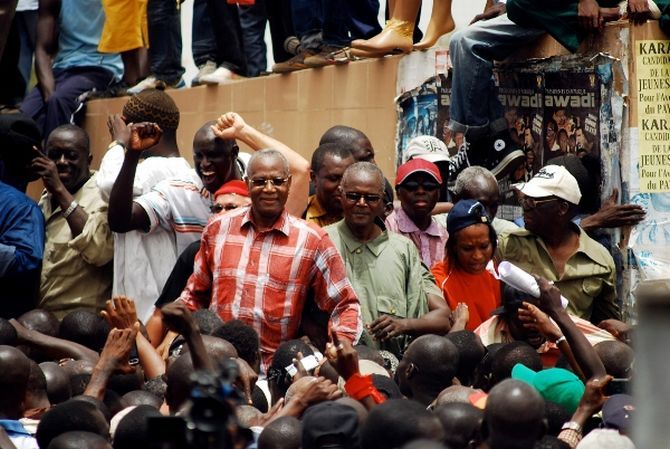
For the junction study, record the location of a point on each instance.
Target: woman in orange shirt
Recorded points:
(464, 274)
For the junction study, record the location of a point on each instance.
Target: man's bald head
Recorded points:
(478, 183)
(58, 382)
(282, 433)
(429, 366)
(514, 415)
(14, 374)
(461, 423)
(79, 440)
(352, 139)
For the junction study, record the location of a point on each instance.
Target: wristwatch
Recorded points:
(115, 143)
(572, 425)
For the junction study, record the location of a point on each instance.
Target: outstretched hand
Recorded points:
(228, 126)
(144, 136)
(550, 297)
(179, 319)
(386, 327)
(491, 12)
(120, 312)
(114, 355)
(342, 356)
(613, 215)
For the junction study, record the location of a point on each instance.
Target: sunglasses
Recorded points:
(413, 186)
(262, 182)
(532, 203)
(216, 208)
(355, 197)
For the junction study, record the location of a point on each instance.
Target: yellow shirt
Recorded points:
(77, 272)
(316, 213)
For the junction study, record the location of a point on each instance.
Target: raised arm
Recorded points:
(232, 126)
(124, 214)
(585, 355)
(53, 347)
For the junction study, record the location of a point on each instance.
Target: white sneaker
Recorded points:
(220, 76)
(151, 82)
(205, 69)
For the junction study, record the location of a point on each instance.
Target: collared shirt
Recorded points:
(317, 214)
(388, 277)
(181, 206)
(77, 271)
(18, 434)
(263, 277)
(21, 251)
(496, 330)
(588, 281)
(430, 242)
(142, 261)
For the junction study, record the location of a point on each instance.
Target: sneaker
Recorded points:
(295, 63)
(497, 153)
(324, 57)
(502, 155)
(219, 76)
(203, 70)
(151, 82)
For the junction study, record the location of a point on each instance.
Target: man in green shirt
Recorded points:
(398, 295)
(555, 248)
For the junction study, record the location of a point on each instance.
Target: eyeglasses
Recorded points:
(413, 186)
(262, 182)
(355, 197)
(216, 208)
(532, 203)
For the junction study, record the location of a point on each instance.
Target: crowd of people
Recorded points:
(261, 300)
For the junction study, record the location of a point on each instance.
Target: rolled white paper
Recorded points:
(515, 277)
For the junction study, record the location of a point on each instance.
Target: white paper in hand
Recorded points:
(515, 277)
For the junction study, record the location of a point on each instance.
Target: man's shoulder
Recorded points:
(594, 250)
(313, 230)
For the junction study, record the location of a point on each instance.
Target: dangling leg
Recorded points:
(441, 22)
(396, 37)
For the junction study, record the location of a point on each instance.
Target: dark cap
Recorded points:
(466, 213)
(618, 412)
(330, 425)
(18, 134)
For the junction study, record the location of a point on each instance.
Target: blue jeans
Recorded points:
(203, 42)
(61, 107)
(472, 52)
(165, 39)
(321, 22)
(363, 23)
(253, 19)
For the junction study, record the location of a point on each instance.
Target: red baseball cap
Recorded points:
(236, 186)
(417, 166)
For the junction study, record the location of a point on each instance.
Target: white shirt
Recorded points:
(142, 261)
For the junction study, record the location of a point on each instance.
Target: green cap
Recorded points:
(557, 385)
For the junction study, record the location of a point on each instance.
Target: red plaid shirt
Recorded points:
(262, 278)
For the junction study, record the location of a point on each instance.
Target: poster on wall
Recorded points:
(417, 114)
(652, 65)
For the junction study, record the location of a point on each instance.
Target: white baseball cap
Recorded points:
(552, 180)
(429, 148)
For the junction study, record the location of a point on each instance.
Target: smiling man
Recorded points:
(417, 185)
(258, 264)
(77, 269)
(328, 164)
(183, 205)
(398, 295)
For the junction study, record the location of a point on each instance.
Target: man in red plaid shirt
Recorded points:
(258, 263)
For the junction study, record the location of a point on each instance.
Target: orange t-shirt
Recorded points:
(481, 292)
